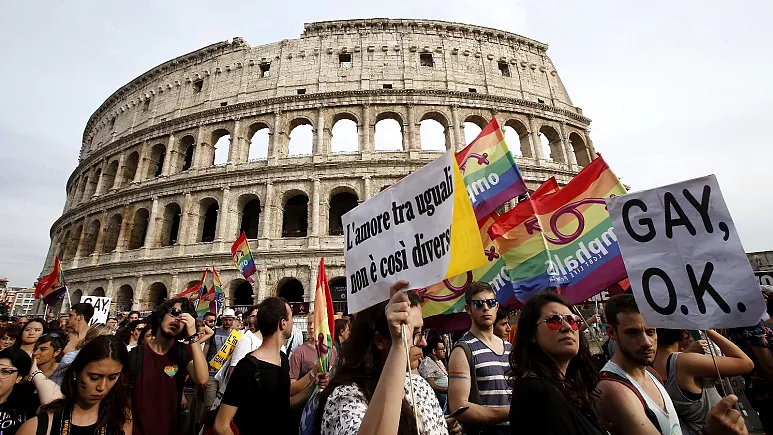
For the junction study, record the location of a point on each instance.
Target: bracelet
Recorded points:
(311, 376)
(33, 374)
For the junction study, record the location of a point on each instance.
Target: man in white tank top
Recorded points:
(633, 401)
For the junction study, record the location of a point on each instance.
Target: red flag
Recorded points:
(194, 292)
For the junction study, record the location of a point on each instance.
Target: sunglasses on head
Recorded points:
(555, 321)
(175, 312)
(478, 303)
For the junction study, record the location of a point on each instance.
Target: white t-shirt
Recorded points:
(246, 345)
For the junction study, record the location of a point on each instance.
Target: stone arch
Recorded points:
(515, 129)
(472, 126)
(76, 296)
(249, 205)
(551, 140)
(156, 163)
(90, 242)
(344, 136)
(130, 167)
(290, 289)
(99, 291)
(156, 295)
(300, 143)
(170, 228)
(221, 147)
(260, 138)
(580, 149)
(187, 150)
(124, 298)
(340, 204)
(139, 228)
(241, 292)
(108, 181)
(295, 218)
(112, 231)
(434, 131)
(388, 134)
(72, 243)
(208, 216)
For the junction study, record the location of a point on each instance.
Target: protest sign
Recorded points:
(687, 267)
(226, 350)
(422, 230)
(101, 308)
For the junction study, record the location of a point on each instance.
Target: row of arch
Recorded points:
(299, 137)
(99, 237)
(240, 293)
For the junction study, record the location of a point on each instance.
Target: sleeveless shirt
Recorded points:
(692, 413)
(668, 421)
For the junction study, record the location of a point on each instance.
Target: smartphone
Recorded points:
(459, 411)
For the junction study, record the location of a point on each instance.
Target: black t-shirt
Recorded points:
(21, 405)
(539, 407)
(261, 392)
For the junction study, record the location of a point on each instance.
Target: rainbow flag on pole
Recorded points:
(240, 251)
(324, 322)
(489, 171)
(194, 293)
(203, 304)
(53, 286)
(564, 240)
(219, 293)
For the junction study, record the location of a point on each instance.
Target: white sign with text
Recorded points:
(686, 264)
(101, 308)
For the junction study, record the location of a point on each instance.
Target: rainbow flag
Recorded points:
(203, 304)
(53, 286)
(490, 174)
(324, 322)
(447, 297)
(242, 257)
(194, 293)
(219, 293)
(564, 240)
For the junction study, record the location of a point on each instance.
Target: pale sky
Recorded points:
(676, 90)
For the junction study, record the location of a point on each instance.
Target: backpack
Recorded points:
(614, 377)
(181, 358)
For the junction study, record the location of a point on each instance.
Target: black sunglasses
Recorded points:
(175, 312)
(478, 303)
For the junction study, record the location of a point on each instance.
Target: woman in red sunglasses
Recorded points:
(553, 376)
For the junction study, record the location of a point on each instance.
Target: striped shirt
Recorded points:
(491, 372)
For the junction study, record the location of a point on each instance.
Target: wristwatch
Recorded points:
(193, 339)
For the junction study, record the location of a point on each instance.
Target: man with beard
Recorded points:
(476, 370)
(158, 369)
(633, 401)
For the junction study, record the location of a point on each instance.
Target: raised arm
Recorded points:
(459, 394)
(198, 368)
(734, 363)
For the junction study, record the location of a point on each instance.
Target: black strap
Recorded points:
(614, 377)
(42, 428)
(135, 364)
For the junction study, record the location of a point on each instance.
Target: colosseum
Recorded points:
(280, 140)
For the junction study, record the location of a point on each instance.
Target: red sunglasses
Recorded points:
(555, 321)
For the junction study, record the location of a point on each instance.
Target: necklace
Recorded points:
(64, 429)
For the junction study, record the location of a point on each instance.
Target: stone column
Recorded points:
(139, 294)
(314, 239)
(366, 131)
(312, 288)
(109, 290)
(237, 141)
(98, 189)
(457, 136)
(101, 234)
(202, 151)
(170, 154)
(589, 144)
(224, 215)
(539, 155)
(276, 136)
(142, 163)
(175, 284)
(186, 221)
(81, 239)
(319, 147)
(262, 291)
(266, 216)
(571, 159)
(126, 228)
(410, 131)
(365, 188)
(118, 180)
(151, 238)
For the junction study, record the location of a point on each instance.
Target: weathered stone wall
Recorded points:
(134, 174)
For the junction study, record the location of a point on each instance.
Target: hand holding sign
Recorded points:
(686, 263)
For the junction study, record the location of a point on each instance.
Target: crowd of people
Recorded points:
(158, 374)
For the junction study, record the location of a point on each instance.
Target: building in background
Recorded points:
(24, 303)
(280, 140)
(762, 264)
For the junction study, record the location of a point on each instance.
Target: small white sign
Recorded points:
(687, 267)
(101, 308)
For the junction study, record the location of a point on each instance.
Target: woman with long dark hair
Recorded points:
(96, 399)
(369, 391)
(30, 332)
(553, 377)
